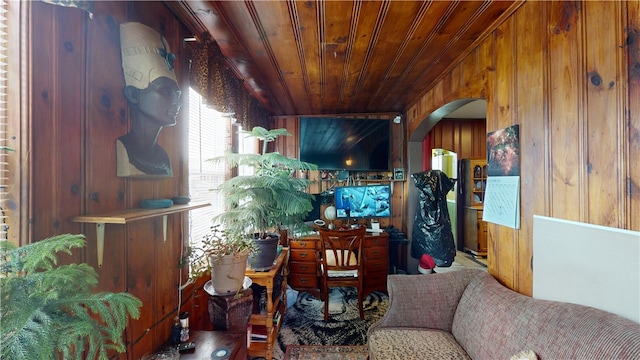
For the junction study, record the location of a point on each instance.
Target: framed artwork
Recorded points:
(398, 174)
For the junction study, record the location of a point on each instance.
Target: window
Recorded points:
(4, 146)
(211, 134)
(209, 137)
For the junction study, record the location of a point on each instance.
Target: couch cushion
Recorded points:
(494, 322)
(414, 343)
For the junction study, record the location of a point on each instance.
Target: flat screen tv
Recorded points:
(365, 201)
(346, 144)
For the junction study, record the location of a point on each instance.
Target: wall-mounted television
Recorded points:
(364, 201)
(346, 144)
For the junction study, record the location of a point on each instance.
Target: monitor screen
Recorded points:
(365, 201)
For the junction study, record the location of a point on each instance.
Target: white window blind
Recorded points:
(4, 163)
(209, 137)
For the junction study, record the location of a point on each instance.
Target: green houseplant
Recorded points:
(271, 199)
(223, 253)
(50, 311)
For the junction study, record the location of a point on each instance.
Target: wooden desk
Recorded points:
(303, 263)
(276, 305)
(209, 341)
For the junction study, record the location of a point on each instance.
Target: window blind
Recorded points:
(4, 146)
(209, 137)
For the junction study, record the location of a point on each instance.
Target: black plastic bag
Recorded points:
(432, 226)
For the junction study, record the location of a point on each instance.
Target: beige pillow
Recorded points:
(331, 260)
(525, 355)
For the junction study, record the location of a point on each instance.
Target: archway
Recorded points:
(415, 160)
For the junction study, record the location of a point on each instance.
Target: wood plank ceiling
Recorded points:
(342, 57)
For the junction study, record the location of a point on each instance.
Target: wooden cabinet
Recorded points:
(376, 262)
(475, 231)
(303, 268)
(474, 178)
(303, 263)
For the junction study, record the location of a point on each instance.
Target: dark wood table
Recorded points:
(209, 343)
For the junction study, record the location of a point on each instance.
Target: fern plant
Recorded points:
(50, 311)
(273, 196)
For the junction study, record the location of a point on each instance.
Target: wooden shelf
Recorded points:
(276, 302)
(126, 216)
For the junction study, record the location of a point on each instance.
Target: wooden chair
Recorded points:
(341, 262)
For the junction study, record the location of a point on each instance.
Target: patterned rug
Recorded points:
(303, 323)
(312, 352)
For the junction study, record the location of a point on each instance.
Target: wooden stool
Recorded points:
(231, 312)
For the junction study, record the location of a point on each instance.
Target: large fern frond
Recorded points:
(50, 311)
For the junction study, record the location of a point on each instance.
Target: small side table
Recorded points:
(210, 342)
(231, 312)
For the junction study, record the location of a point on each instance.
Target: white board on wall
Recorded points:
(587, 264)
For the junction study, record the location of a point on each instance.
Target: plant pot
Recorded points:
(262, 260)
(227, 272)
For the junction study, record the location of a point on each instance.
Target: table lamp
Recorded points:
(330, 214)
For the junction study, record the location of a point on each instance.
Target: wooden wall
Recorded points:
(467, 138)
(74, 88)
(566, 72)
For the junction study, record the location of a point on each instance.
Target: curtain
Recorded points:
(221, 89)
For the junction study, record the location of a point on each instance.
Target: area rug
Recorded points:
(313, 352)
(303, 323)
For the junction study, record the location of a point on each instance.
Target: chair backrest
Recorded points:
(341, 249)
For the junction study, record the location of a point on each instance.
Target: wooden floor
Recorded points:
(469, 261)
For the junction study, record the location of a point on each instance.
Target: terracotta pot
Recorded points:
(227, 272)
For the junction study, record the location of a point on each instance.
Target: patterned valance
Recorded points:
(221, 89)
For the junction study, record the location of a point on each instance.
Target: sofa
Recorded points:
(468, 314)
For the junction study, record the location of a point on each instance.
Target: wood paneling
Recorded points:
(631, 135)
(336, 57)
(558, 70)
(78, 110)
(467, 138)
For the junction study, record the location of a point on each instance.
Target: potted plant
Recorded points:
(223, 253)
(271, 199)
(51, 312)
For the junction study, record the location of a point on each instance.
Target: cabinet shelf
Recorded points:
(124, 217)
(276, 303)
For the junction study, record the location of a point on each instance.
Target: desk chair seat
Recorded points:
(341, 263)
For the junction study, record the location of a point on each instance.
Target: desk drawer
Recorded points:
(306, 267)
(379, 264)
(303, 281)
(375, 252)
(303, 255)
(376, 241)
(302, 244)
